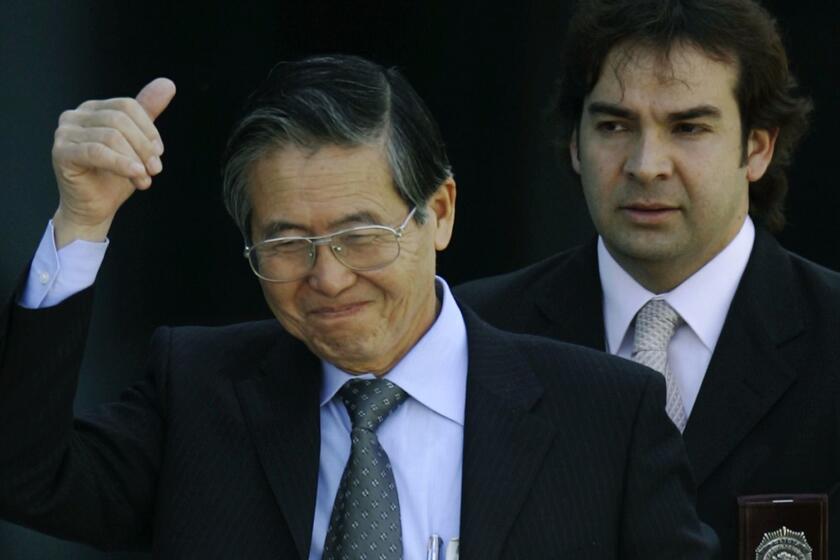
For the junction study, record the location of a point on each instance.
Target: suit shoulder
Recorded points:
(213, 347)
(588, 383)
(555, 359)
(485, 294)
(556, 363)
(251, 332)
(819, 281)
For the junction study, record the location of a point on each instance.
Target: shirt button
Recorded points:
(44, 277)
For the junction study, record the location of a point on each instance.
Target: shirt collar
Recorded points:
(705, 314)
(433, 372)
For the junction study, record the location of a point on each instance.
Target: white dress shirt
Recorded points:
(702, 300)
(55, 275)
(424, 437)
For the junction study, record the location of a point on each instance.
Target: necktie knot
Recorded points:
(370, 401)
(656, 322)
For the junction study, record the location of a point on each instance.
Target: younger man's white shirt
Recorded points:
(702, 300)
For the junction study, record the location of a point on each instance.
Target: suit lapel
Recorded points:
(281, 410)
(572, 301)
(504, 443)
(748, 373)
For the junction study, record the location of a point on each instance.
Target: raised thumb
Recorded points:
(156, 95)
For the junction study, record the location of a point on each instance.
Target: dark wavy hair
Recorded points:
(740, 32)
(341, 100)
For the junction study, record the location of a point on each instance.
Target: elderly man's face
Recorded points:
(359, 321)
(659, 152)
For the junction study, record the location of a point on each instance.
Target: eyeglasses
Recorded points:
(361, 248)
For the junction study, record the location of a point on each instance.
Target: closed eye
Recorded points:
(283, 247)
(364, 237)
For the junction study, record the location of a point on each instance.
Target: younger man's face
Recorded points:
(659, 152)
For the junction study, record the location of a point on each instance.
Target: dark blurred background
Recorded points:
(486, 73)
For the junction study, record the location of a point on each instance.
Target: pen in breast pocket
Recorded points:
(452, 549)
(433, 547)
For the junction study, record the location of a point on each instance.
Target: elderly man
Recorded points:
(373, 414)
(680, 117)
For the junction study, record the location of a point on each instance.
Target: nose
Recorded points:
(649, 159)
(328, 275)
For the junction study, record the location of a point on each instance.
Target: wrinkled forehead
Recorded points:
(319, 187)
(322, 171)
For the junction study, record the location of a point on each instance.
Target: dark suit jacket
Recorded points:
(767, 418)
(567, 451)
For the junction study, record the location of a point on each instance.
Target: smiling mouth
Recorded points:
(337, 311)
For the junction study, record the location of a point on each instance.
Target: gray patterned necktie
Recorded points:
(655, 325)
(365, 520)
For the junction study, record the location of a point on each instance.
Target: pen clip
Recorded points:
(433, 547)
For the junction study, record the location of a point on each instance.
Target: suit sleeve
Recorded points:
(659, 516)
(90, 479)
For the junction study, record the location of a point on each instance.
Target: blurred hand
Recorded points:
(103, 152)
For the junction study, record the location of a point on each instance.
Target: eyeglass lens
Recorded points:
(359, 249)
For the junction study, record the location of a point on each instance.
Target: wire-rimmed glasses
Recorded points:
(361, 248)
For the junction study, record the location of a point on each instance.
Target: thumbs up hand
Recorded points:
(104, 150)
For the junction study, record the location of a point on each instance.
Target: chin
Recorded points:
(650, 246)
(350, 353)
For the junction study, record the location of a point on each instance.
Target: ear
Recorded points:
(574, 151)
(760, 145)
(442, 212)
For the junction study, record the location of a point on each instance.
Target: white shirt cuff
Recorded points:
(55, 275)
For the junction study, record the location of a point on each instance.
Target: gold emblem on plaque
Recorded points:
(783, 544)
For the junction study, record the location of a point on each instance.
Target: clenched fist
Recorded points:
(103, 151)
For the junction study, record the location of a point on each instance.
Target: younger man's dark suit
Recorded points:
(767, 418)
(567, 452)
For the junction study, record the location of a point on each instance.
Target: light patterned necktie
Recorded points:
(655, 325)
(365, 520)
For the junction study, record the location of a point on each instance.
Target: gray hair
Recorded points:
(337, 100)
